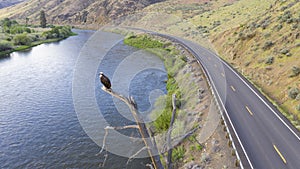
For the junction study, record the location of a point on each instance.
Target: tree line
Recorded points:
(14, 34)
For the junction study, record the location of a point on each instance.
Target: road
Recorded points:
(263, 137)
(266, 140)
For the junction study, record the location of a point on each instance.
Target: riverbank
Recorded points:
(208, 146)
(25, 47)
(16, 37)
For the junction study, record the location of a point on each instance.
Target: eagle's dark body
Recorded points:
(105, 81)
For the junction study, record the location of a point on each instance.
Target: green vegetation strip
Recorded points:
(173, 63)
(16, 37)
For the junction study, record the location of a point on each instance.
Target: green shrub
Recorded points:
(284, 51)
(143, 42)
(193, 138)
(58, 32)
(199, 147)
(269, 60)
(298, 107)
(8, 23)
(178, 153)
(296, 71)
(267, 45)
(286, 16)
(19, 29)
(5, 46)
(293, 93)
(192, 147)
(205, 158)
(173, 62)
(298, 97)
(22, 39)
(278, 27)
(162, 123)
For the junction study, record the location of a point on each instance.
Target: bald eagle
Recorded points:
(105, 81)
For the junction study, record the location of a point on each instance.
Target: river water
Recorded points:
(39, 127)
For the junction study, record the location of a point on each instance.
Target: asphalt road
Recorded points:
(265, 138)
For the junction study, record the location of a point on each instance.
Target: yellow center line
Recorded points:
(232, 88)
(278, 152)
(250, 112)
(223, 74)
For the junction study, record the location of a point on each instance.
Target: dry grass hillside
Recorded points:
(266, 49)
(75, 12)
(259, 38)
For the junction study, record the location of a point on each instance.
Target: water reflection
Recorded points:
(38, 124)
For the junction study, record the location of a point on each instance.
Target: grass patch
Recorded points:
(178, 153)
(173, 63)
(272, 52)
(142, 42)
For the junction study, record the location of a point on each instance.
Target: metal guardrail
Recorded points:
(213, 89)
(209, 81)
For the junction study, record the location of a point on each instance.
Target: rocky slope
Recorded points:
(75, 12)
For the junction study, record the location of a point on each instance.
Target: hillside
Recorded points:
(266, 50)
(6, 3)
(75, 12)
(259, 38)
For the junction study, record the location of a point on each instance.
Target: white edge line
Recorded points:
(231, 123)
(257, 96)
(252, 91)
(224, 109)
(227, 116)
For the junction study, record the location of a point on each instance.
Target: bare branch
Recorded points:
(178, 139)
(104, 161)
(132, 101)
(152, 150)
(122, 127)
(169, 144)
(149, 165)
(104, 141)
(137, 153)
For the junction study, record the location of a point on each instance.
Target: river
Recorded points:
(39, 127)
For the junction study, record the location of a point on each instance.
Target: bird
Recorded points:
(105, 81)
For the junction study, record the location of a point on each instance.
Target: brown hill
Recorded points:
(75, 12)
(266, 50)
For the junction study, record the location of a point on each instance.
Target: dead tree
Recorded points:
(169, 144)
(150, 146)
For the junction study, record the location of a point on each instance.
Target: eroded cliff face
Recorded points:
(75, 11)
